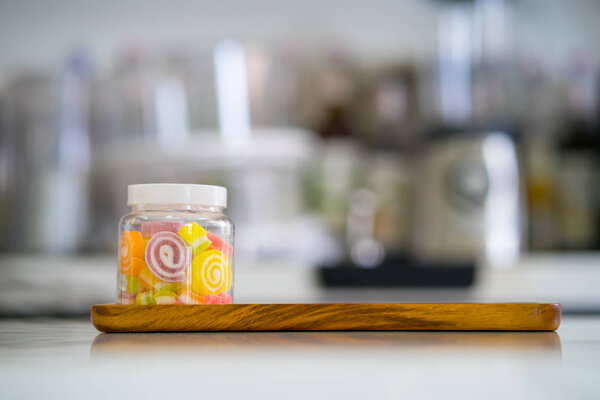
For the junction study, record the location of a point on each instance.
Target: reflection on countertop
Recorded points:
(124, 344)
(69, 357)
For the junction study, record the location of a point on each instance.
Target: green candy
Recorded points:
(168, 287)
(165, 297)
(144, 298)
(133, 285)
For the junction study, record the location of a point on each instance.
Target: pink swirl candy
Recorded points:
(150, 228)
(167, 257)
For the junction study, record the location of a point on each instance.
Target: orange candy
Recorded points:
(131, 252)
(136, 266)
(186, 296)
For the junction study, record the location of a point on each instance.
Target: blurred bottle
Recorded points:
(539, 111)
(455, 96)
(144, 97)
(327, 95)
(392, 110)
(364, 250)
(580, 159)
(48, 121)
(7, 174)
(338, 174)
(541, 169)
(273, 84)
(389, 178)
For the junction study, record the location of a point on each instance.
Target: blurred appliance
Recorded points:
(47, 133)
(469, 200)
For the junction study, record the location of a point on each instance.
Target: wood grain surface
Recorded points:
(327, 317)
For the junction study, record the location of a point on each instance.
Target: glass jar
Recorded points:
(175, 246)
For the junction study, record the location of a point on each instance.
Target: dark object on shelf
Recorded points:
(399, 273)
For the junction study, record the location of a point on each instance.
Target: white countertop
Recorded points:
(63, 359)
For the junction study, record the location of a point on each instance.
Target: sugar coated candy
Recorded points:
(211, 273)
(195, 236)
(167, 257)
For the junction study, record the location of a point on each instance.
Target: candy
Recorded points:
(226, 299)
(166, 286)
(147, 278)
(137, 265)
(144, 298)
(167, 257)
(126, 298)
(211, 273)
(220, 245)
(131, 248)
(165, 297)
(217, 299)
(186, 296)
(150, 228)
(133, 285)
(195, 236)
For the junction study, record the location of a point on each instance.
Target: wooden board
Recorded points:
(327, 317)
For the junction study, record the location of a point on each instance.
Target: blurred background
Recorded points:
(413, 150)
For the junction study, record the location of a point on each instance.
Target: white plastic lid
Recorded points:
(177, 193)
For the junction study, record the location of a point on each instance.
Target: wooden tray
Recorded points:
(327, 317)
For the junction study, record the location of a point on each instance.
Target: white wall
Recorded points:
(38, 33)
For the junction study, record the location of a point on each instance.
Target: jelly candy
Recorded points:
(147, 278)
(126, 298)
(217, 299)
(131, 247)
(144, 298)
(133, 284)
(195, 236)
(165, 297)
(167, 257)
(186, 296)
(219, 244)
(168, 286)
(150, 228)
(211, 273)
(136, 265)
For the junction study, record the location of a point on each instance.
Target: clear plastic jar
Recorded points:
(176, 246)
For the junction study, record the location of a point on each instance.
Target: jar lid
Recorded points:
(177, 193)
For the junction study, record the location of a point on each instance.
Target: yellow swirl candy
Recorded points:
(211, 273)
